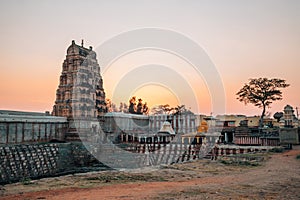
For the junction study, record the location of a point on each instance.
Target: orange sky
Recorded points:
(243, 40)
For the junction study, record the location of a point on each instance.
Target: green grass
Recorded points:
(26, 181)
(276, 150)
(239, 163)
(125, 178)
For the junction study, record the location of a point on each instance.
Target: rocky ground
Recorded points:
(277, 177)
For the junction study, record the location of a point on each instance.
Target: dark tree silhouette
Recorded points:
(278, 115)
(166, 109)
(162, 109)
(145, 109)
(180, 109)
(132, 106)
(139, 109)
(262, 92)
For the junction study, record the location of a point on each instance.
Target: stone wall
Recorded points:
(24, 132)
(116, 122)
(20, 162)
(289, 136)
(29, 127)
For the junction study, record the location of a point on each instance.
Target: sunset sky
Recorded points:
(243, 39)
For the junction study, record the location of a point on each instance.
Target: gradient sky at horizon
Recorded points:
(244, 39)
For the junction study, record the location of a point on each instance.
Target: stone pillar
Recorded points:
(23, 131)
(50, 134)
(56, 131)
(32, 131)
(39, 136)
(7, 132)
(46, 131)
(226, 137)
(16, 132)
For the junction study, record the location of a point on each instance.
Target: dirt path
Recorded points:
(278, 178)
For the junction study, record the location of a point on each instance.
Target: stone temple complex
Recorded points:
(80, 92)
(80, 130)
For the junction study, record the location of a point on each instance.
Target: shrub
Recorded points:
(276, 150)
(26, 181)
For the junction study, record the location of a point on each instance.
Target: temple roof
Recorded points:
(77, 49)
(167, 128)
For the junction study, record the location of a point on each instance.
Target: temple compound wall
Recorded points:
(30, 127)
(21, 162)
(117, 122)
(27, 151)
(182, 124)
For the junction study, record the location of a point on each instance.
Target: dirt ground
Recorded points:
(276, 178)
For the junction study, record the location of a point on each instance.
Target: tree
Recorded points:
(180, 109)
(139, 109)
(123, 107)
(132, 106)
(166, 109)
(278, 116)
(262, 92)
(111, 107)
(162, 109)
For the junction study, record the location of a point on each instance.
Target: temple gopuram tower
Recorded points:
(80, 93)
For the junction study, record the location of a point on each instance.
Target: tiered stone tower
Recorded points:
(80, 93)
(289, 120)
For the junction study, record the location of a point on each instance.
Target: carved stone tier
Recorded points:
(80, 92)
